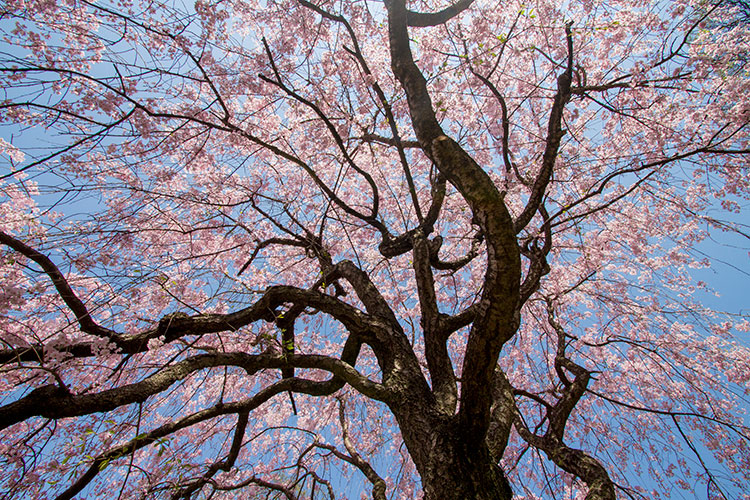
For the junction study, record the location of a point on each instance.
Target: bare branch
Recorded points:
(554, 136)
(85, 321)
(419, 19)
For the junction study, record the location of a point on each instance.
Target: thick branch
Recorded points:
(173, 327)
(503, 413)
(459, 263)
(50, 401)
(391, 346)
(450, 324)
(495, 319)
(419, 19)
(436, 349)
(389, 141)
(554, 136)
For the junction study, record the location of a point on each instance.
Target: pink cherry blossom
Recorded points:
(427, 249)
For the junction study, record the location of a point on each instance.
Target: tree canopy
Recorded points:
(249, 249)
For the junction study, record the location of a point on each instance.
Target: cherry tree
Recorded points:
(257, 249)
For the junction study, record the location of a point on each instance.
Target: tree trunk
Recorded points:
(457, 473)
(450, 469)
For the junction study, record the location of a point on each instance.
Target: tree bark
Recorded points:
(453, 469)
(452, 464)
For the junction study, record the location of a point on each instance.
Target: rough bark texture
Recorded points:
(452, 467)
(450, 452)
